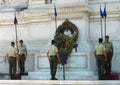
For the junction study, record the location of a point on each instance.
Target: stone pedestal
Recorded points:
(77, 68)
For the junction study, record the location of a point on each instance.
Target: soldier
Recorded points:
(109, 49)
(11, 56)
(23, 55)
(101, 58)
(54, 58)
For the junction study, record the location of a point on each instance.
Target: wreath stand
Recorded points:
(66, 43)
(63, 71)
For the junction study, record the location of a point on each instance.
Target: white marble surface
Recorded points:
(76, 61)
(37, 28)
(69, 75)
(44, 82)
(77, 68)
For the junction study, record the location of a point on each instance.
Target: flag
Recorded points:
(104, 12)
(55, 11)
(15, 21)
(101, 13)
(64, 58)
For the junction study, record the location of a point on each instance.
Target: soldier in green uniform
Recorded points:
(101, 58)
(109, 49)
(54, 58)
(12, 56)
(23, 55)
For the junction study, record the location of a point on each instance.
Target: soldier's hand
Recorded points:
(49, 60)
(25, 55)
(105, 59)
(7, 59)
(25, 59)
(112, 54)
(59, 60)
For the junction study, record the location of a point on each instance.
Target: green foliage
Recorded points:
(65, 43)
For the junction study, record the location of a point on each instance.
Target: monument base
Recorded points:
(69, 75)
(77, 68)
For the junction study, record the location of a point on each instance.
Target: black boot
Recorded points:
(53, 78)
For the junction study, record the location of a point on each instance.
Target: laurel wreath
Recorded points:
(65, 43)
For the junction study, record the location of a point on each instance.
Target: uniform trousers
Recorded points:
(101, 66)
(53, 65)
(22, 64)
(12, 67)
(108, 63)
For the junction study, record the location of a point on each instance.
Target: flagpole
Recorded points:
(55, 14)
(16, 34)
(105, 15)
(105, 26)
(15, 23)
(101, 28)
(101, 15)
(55, 22)
(16, 37)
(63, 71)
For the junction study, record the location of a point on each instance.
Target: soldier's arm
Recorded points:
(26, 55)
(105, 54)
(58, 56)
(26, 51)
(6, 56)
(95, 53)
(17, 56)
(48, 56)
(112, 49)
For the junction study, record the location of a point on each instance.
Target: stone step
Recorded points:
(58, 82)
(61, 73)
(69, 75)
(61, 77)
(25, 77)
(4, 77)
(111, 77)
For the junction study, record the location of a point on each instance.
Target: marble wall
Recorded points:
(112, 28)
(37, 27)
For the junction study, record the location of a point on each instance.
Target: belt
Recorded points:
(52, 55)
(22, 54)
(109, 52)
(12, 56)
(100, 55)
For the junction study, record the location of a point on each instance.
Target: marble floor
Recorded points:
(46, 82)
